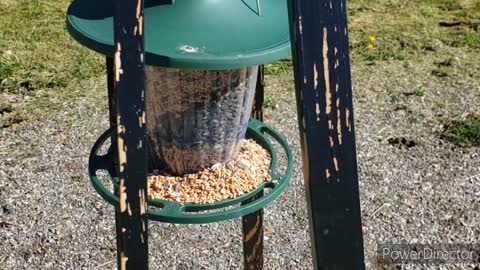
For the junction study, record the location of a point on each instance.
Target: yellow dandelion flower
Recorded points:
(370, 46)
(372, 39)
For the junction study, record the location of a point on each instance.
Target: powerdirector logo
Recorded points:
(433, 254)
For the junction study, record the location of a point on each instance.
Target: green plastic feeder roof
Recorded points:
(193, 34)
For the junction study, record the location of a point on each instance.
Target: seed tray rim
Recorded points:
(173, 212)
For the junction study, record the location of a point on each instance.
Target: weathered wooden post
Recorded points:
(129, 80)
(324, 99)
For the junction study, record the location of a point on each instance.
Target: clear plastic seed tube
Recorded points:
(197, 118)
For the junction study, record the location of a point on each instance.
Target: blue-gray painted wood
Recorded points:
(129, 78)
(324, 99)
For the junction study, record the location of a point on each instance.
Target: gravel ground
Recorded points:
(427, 193)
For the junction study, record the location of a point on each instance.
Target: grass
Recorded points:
(446, 5)
(269, 103)
(405, 30)
(464, 133)
(408, 29)
(420, 91)
(279, 67)
(37, 51)
(40, 65)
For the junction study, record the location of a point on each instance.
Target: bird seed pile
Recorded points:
(222, 181)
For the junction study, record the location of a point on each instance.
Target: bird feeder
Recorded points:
(192, 66)
(202, 59)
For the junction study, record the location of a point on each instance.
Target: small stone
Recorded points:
(7, 54)
(5, 225)
(4, 210)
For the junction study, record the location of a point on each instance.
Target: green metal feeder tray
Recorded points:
(172, 212)
(193, 34)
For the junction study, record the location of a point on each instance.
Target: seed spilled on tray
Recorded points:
(221, 181)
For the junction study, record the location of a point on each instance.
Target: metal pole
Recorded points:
(325, 113)
(132, 155)
(252, 224)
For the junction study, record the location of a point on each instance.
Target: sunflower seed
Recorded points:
(243, 164)
(177, 187)
(216, 166)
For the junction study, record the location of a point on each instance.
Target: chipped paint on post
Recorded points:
(318, 110)
(326, 73)
(300, 26)
(319, 35)
(348, 120)
(118, 62)
(123, 196)
(339, 116)
(129, 78)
